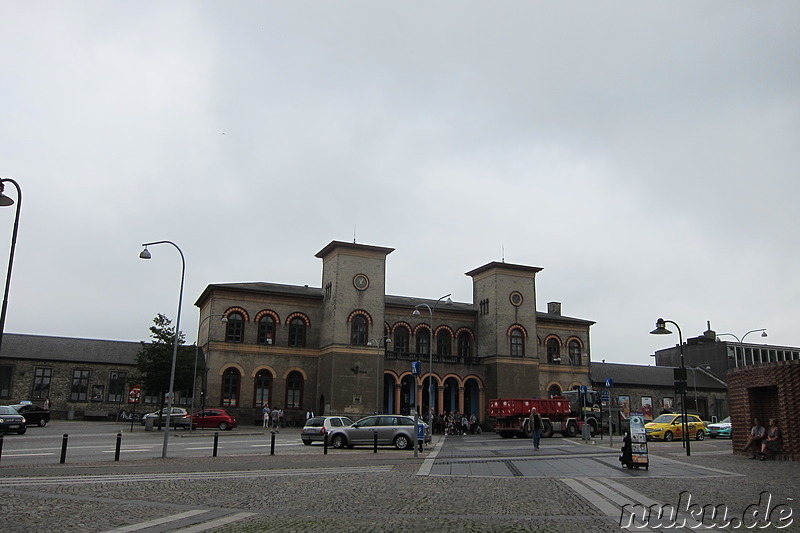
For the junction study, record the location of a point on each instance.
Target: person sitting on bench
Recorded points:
(773, 441)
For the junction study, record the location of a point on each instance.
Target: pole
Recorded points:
(11, 253)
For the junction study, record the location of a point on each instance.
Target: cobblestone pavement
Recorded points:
(471, 483)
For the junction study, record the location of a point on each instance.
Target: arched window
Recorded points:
(401, 339)
(553, 351)
(358, 331)
(443, 339)
(423, 340)
(263, 389)
(294, 390)
(464, 344)
(517, 343)
(554, 391)
(266, 330)
(297, 333)
(231, 380)
(234, 331)
(574, 353)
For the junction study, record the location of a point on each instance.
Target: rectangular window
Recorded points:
(41, 382)
(79, 391)
(5, 380)
(116, 387)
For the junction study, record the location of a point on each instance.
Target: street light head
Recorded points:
(764, 334)
(145, 254)
(661, 328)
(416, 312)
(448, 301)
(5, 201)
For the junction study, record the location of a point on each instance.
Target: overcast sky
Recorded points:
(644, 154)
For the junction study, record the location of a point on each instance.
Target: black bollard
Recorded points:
(216, 442)
(325, 444)
(375, 442)
(64, 448)
(272, 444)
(119, 445)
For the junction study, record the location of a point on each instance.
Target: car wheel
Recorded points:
(42, 422)
(547, 430)
(338, 441)
(701, 435)
(223, 426)
(402, 442)
(307, 442)
(668, 436)
(22, 432)
(572, 430)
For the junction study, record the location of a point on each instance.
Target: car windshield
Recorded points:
(726, 420)
(6, 410)
(315, 422)
(663, 419)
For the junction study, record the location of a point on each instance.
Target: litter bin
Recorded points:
(148, 423)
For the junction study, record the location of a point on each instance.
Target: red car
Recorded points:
(214, 418)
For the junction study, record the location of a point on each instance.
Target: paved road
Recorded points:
(470, 483)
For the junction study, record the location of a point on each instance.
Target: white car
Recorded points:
(179, 418)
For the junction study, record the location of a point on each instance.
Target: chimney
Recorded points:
(554, 308)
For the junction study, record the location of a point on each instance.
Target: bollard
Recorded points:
(272, 444)
(375, 442)
(216, 442)
(325, 444)
(1, 445)
(64, 448)
(119, 445)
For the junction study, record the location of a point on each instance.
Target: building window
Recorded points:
(358, 331)
(294, 390)
(443, 339)
(401, 339)
(464, 344)
(116, 387)
(574, 353)
(79, 391)
(231, 380)
(266, 330)
(297, 333)
(261, 396)
(517, 343)
(5, 380)
(41, 382)
(554, 391)
(235, 328)
(423, 341)
(553, 351)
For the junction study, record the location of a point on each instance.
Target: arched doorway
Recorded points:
(450, 395)
(407, 392)
(472, 402)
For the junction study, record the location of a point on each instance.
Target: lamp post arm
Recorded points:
(10, 255)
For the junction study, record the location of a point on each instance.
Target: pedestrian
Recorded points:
(773, 441)
(464, 425)
(274, 420)
(309, 415)
(265, 414)
(536, 427)
(280, 417)
(755, 437)
(47, 403)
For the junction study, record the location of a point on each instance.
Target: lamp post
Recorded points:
(205, 363)
(430, 352)
(5, 201)
(661, 329)
(378, 400)
(741, 343)
(145, 254)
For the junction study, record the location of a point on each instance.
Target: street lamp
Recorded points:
(741, 343)
(145, 254)
(661, 329)
(377, 342)
(5, 201)
(430, 352)
(205, 363)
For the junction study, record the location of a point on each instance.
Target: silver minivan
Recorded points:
(393, 430)
(317, 427)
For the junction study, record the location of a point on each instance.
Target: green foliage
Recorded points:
(154, 361)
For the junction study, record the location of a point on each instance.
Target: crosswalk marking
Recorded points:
(157, 521)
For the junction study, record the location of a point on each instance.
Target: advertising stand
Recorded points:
(638, 441)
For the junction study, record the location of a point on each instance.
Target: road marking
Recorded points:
(204, 526)
(157, 521)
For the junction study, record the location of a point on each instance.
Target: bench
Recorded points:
(97, 415)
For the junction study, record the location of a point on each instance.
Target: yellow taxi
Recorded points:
(670, 426)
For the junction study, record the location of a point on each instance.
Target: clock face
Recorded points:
(516, 298)
(361, 282)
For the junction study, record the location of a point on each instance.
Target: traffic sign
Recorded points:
(605, 395)
(135, 394)
(609, 383)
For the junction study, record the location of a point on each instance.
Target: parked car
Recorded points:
(670, 426)
(179, 418)
(214, 418)
(34, 415)
(395, 430)
(720, 429)
(11, 421)
(317, 427)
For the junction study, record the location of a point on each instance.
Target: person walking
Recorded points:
(265, 414)
(536, 427)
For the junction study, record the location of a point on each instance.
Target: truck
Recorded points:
(565, 414)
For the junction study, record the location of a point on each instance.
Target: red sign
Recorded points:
(134, 394)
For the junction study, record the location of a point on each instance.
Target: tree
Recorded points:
(154, 361)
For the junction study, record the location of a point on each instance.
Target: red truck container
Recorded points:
(566, 414)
